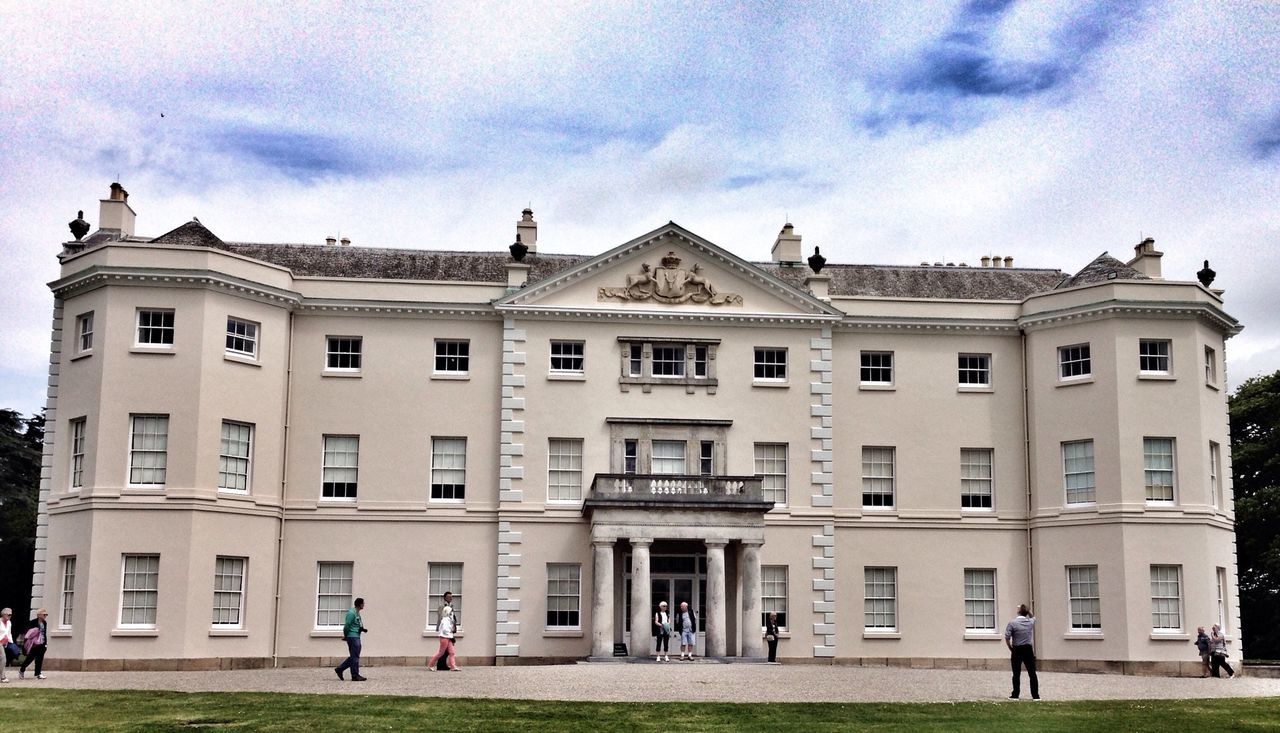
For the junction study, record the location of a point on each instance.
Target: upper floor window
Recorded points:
(148, 449)
(630, 455)
(155, 328)
(1153, 356)
(449, 468)
(242, 338)
(876, 368)
(974, 370)
(341, 467)
(877, 477)
(1157, 463)
(706, 457)
(344, 353)
(975, 478)
(452, 356)
(77, 452)
(567, 357)
(1215, 473)
(564, 469)
(1210, 366)
(770, 364)
(1074, 361)
(1077, 471)
(771, 466)
(689, 362)
(668, 361)
(84, 332)
(235, 451)
(668, 457)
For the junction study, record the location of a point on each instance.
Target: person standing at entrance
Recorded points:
(1019, 637)
(771, 636)
(687, 623)
(662, 630)
(352, 628)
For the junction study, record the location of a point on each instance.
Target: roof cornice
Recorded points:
(99, 276)
(1206, 312)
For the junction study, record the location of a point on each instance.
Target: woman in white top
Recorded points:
(662, 629)
(6, 640)
(445, 629)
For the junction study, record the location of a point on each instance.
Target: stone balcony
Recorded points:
(622, 490)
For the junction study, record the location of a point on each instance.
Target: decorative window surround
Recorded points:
(696, 368)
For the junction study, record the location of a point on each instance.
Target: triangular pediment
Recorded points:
(669, 271)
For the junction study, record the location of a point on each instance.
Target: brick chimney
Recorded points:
(115, 214)
(786, 248)
(527, 230)
(1146, 259)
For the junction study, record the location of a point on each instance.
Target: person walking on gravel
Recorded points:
(1019, 637)
(352, 628)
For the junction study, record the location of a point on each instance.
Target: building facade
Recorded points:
(244, 437)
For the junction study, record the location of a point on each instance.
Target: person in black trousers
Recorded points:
(771, 636)
(1019, 637)
(36, 654)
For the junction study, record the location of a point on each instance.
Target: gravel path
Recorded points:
(674, 681)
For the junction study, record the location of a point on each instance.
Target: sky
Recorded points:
(886, 132)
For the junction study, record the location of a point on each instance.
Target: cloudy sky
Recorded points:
(887, 132)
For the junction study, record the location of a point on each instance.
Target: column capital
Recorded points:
(716, 543)
(641, 541)
(601, 542)
(752, 543)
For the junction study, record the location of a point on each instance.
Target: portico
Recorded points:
(719, 521)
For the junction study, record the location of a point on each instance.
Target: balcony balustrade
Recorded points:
(728, 492)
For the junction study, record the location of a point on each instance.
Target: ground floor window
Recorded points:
(333, 594)
(228, 591)
(773, 593)
(1082, 597)
(880, 600)
(1166, 598)
(979, 599)
(139, 591)
(443, 577)
(564, 595)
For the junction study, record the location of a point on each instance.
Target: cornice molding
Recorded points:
(100, 276)
(1206, 312)
(927, 325)
(563, 312)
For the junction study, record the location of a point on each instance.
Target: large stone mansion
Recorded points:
(243, 437)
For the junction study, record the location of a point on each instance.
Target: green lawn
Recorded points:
(58, 710)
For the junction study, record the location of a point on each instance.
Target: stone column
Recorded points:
(641, 621)
(714, 623)
(602, 599)
(749, 567)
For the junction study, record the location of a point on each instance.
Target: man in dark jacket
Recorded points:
(687, 626)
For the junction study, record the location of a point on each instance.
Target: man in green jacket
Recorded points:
(352, 628)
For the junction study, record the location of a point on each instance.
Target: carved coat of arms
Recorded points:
(670, 284)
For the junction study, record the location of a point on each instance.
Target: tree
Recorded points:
(21, 444)
(1255, 458)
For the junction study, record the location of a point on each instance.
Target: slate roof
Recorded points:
(1104, 267)
(891, 281)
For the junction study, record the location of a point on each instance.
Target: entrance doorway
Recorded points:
(674, 579)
